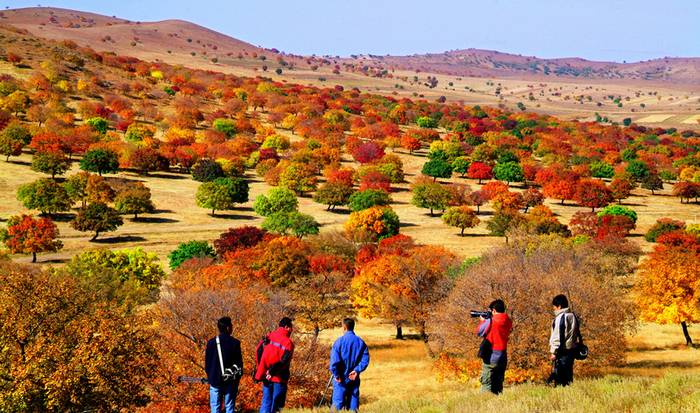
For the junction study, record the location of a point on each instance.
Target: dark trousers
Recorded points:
(492, 376)
(346, 396)
(563, 373)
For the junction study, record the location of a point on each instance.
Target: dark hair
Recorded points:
(286, 322)
(498, 305)
(224, 324)
(560, 301)
(349, 323)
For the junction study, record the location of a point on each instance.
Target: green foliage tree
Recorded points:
(276, 200)
(225, 126)
(44, 195)
(97, 217)
(426, 122)
(663, 226)
(431, 196)
(461, 165)
(652, 182)
(101, 161)
(618, 210)
(333, 194)
(638, 169)
(98, 124)
(52, 163)
(188, 250)
(602, 170)
(292, 222)
(502, 222)
(461, 217)
(437, 168)
(509, 172)
(134, 200)
(368, 198)
(76, 187)
(222, 194)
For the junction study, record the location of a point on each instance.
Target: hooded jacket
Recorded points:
(276, 357)
(497, 331)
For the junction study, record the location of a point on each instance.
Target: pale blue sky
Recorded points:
(594, 29)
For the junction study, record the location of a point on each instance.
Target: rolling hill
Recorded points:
(177, 41)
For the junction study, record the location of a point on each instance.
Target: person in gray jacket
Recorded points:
(562, 342)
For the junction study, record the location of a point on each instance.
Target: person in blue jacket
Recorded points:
(349, 358)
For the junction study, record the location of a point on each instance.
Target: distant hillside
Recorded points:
(486, 63)
(177, 41)
(138, 39)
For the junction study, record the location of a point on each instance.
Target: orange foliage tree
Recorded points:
(26, 235)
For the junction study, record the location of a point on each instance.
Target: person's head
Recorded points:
(560, 302)
(349, 324)
(286, 323)
(224, 325)
(497, 306)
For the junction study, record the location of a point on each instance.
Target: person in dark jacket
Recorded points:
(275, 355)
(349, 358)
(220, 388)
(496, 330)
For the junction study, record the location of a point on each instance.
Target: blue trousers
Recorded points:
(346, 396)
(274, 396)
(228, 393)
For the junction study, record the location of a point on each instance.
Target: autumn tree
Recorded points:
(621, 188)
(461, 217)
(686, 190)
(668, 290)
(502, 222)
(430, 195)
(561, 189)
(532, 197)
(368, 198)
(100, 161)
(367, 152)
(663, 226)
(207, 170)
(135, 199)
(238, 238)
(298, 177)
(373, 223)
(653, 183)
(27, 235)
(188, 250)
(44, 195)
(222, 194)
(276, 200)
(592, 193)
(333, 194)
(71, 333)
(97, 217)
(13, 138)
(480, 171)
(461, 165)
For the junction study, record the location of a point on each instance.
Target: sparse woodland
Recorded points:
(68, 106)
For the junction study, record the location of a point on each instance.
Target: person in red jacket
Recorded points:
(274, 355)
(496, 331)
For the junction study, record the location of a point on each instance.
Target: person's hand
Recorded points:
(552, 357)
(268, 377)
(481, 317)
(338, 380)
(352, 376)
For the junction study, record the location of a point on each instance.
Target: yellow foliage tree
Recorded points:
(669, 288)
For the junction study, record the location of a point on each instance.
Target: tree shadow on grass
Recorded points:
(340, 211)
(407, 224)
(119, 239)
(231, 216)
(154, 220)
(18, 162)
(62, 217)
(163, 211)
(662, 364)
(166, 176)
(53, 261)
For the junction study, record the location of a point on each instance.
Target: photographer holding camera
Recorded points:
(223, 363)
(495, 328)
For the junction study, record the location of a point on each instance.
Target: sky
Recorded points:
(608, 30)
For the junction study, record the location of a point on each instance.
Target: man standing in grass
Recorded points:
(349, 358)
(274, 355)
(222, 354)
(495, 330)
(562, 342)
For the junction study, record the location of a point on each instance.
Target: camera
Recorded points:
(476, 313)
(232, 374)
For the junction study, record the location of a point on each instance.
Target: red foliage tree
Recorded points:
(26, 235)
(621, 188)
(592, 193)
(561, 189)
(375, 180)
(410, 143)
(367, 152)
(480, 171)
(238, 238)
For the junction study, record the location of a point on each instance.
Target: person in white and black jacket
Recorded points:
(562, 341)
(231, 354)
